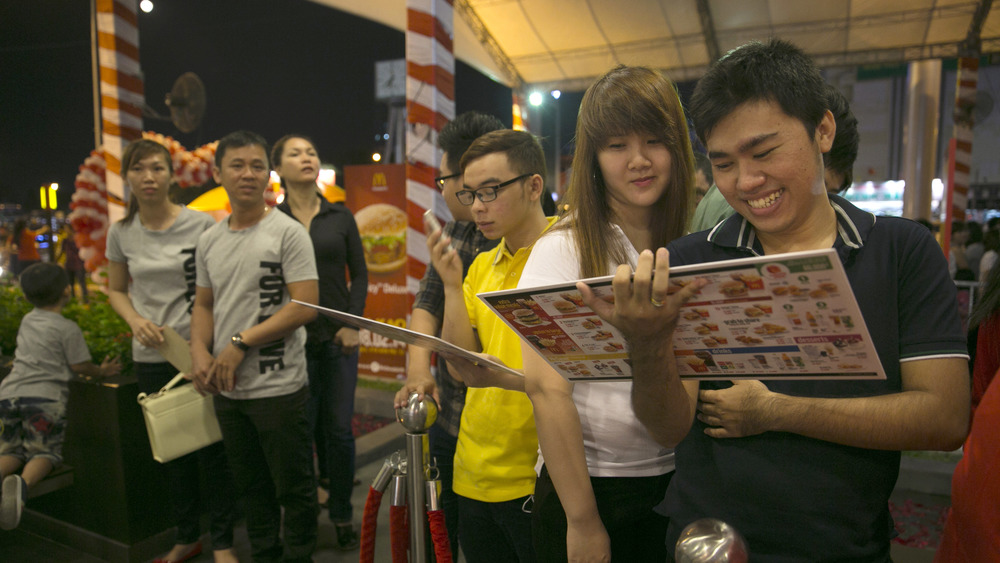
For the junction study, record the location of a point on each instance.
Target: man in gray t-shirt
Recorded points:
(247, 348)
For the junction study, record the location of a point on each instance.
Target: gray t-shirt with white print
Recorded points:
(248, 272)
(47, 344)
(162, 267)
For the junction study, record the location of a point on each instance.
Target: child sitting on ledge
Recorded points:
(50, 349)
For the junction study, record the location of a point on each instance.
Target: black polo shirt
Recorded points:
(796, 498)
(339, 258)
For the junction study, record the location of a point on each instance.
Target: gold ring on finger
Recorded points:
(656, 302)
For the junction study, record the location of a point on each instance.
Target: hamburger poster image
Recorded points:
(376, 194)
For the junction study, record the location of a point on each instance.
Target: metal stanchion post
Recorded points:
(711, 541)
(416, 417)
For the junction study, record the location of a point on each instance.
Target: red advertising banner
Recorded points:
(376, 194)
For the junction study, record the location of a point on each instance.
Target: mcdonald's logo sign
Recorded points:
(379, 181)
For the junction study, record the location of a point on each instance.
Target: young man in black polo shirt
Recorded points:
(803, 469)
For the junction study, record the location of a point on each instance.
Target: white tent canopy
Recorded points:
(566, 44)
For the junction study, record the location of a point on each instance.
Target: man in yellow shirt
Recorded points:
(497, 444)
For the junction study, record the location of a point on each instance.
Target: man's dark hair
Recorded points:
(43, 284)
(455, 138)
(237, 140)
(524, 153)
(760, 72)
(844, 151)
(702, 163)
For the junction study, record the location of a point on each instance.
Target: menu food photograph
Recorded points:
(787, 316)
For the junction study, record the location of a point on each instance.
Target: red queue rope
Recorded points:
(399, 531)
(439, 536)
(399, 523)
(369, 523)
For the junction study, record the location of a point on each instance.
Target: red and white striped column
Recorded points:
(965, 101)
(430, 105)
(121, 89)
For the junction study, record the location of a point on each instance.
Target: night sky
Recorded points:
(268, 66)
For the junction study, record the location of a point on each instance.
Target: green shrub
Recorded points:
(107, 335)
(13, 306)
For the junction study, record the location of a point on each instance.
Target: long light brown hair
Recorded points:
(628, 99)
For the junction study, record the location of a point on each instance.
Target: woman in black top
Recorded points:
(331, 349)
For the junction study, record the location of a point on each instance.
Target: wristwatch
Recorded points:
(238, 342)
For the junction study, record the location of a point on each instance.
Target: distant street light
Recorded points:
(376, 157)
(536, 99)
(146, 6)
(49, 204)
(48, 196)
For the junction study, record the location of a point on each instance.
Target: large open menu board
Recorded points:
(446, 350)
(786, 316)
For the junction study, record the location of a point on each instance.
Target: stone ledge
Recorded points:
(376, 402)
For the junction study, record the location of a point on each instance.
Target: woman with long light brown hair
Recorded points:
(631, 191)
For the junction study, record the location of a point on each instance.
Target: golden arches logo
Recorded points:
(379, 181)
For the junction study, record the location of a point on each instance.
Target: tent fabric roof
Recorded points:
(566, 44)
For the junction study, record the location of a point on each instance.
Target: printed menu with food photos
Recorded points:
(785, 316)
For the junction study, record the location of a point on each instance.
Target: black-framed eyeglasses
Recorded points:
(485, 194)
(439, 181)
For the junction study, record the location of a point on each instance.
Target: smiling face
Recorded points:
(244, 174)
(299, 162)
(770, 169)
(149, 179)
(512, 207)
(636, 169)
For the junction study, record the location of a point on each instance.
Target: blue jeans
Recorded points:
(184, 475)
(269, 448)
(625, 505)
(333, 378)
(442, 451)
(495, 532)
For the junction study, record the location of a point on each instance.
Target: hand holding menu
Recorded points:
(786, 316)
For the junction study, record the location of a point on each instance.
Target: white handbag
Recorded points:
(179, 420)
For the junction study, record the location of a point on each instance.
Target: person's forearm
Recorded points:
(122, 305)
(358, 290)
(279, 325)
(286, 319)
(475, 374)
(506, 381)
(662, 403)
(560, 438)
(418, 358)
(88, 369)
(457, 328)
(118, 297)
(202, 328)
(909, 420)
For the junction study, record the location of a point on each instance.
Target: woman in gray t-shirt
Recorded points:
(151, 285)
